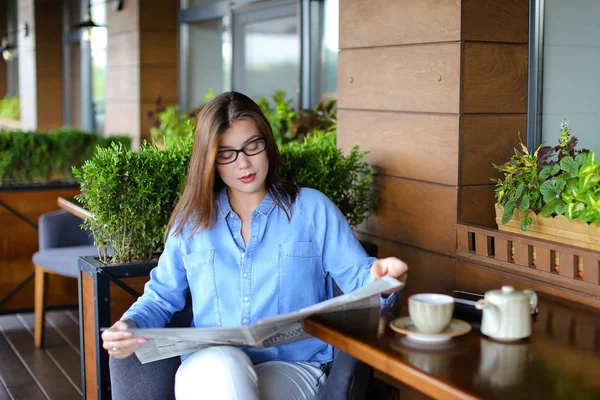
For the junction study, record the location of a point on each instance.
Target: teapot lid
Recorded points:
(506, 293)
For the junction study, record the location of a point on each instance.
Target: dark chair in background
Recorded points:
(61, 242)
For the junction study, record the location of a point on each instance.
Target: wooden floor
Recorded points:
(53, 372)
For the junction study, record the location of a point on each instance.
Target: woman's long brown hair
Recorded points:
(198, 200)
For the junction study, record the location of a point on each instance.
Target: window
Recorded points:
(563, 78)
(84, 67)
(258, 48)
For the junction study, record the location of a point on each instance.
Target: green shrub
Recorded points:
(131, 196)
(171, 125)
(28, 157)
(346, 179)
(9, 108)
(290, 125)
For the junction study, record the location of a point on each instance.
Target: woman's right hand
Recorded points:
(119, 343)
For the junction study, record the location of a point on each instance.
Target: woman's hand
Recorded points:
(121, 344)
(388, 266)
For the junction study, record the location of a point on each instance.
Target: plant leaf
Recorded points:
(570, 166)
(561, 207)
(526, 222)
(509, 208)
(524, 204)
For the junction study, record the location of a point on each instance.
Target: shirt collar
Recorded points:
(225, 209)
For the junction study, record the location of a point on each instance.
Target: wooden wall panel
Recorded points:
(495, 78)
(407, 78)
(477, 206)
(159, 15)
(496, 21)
(159, 48)
(416, 213)
(479, 279)
(488, 139)
(48, 50)
(427, 271)
(158, 81)
(416, 146)
(393, 22)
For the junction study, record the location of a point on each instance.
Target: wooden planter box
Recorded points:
(557, 229)
(20, 208)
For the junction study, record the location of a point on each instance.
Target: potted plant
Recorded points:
(35, 169)
(552, 193)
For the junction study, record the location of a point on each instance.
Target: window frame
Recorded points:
(307, 82)
(535, 74)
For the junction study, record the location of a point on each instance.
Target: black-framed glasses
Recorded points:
(251, 148)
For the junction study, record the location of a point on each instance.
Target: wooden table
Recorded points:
(561, 360)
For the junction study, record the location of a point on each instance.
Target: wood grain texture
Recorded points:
(477, 278)
(159, 16)
(89, 337)
(487, 139)
(496, 20)
(394, 22)
(158, 48)
(416, 146)
(408, 78)
(120, 300)
(416, 213)
(159, 81)
(53, 381)
(477, 205)
(495, 78)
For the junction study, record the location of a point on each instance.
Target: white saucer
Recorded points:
(404, 325)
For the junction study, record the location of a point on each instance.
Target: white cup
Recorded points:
(430, 312)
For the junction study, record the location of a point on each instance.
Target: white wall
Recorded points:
(571, 84)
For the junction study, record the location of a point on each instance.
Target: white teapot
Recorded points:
(507, 313)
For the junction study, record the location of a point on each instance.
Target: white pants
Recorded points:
(224, 372)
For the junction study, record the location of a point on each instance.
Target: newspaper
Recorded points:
(267, 332)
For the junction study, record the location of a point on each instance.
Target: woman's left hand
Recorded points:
(388, 266)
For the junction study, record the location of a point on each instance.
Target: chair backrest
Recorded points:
(62, 229)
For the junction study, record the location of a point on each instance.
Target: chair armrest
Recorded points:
(62, 229)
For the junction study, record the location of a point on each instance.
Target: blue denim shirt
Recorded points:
(284, 267)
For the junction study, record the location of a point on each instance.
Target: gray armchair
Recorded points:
(61, 242)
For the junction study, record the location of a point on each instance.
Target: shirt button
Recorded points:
(245, 321)
(246, 299)
(245, 275)
(235, 236)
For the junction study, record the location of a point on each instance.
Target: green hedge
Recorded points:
(37, 157)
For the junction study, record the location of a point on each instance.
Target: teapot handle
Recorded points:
(533, 300)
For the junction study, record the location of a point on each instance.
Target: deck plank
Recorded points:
(3, 393)
(66, 327)
(15, 377)
(51, 379)
(62, 353)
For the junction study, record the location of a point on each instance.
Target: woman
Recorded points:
(248, 245)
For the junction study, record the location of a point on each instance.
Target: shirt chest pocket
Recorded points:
(200, 272)
(301, 276)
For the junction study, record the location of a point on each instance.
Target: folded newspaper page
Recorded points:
(272, 331)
